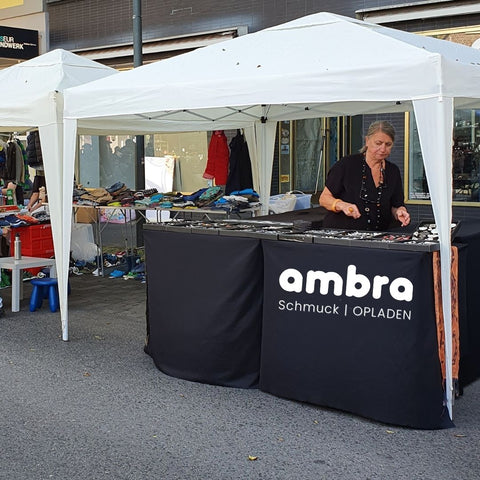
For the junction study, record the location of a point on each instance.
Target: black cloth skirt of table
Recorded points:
(216, 314)
(204, 307)
(376, 357)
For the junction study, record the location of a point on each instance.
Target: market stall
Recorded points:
(244, 83)
(32, 98)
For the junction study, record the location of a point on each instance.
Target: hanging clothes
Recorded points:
(15, 167)
(218, 155)
(240, 167)
(11, 166)
(34, 150)
(24, 159)
(3, 158)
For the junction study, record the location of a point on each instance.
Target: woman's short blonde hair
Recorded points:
(380, 126)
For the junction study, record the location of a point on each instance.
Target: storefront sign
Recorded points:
(18, 43)
(11, 3)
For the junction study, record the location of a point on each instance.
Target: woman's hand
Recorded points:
(328, 201)
(401, 215)
(349, 209)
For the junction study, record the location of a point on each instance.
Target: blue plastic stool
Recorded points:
(44, 288)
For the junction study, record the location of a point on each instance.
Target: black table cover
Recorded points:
(204, 306)
(376, 357)
(468, 237)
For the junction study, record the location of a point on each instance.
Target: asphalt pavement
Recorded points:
(96, 407)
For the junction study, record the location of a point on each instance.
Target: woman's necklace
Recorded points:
(373, 221)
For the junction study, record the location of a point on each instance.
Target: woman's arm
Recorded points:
(328, 201)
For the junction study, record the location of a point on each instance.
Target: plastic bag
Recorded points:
(284, 202)
(84, 251)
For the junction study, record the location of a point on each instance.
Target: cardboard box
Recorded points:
(86, 215)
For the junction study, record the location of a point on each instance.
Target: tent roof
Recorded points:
(27, 86)
(319, 65)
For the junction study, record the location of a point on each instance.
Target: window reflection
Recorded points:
(465, 159)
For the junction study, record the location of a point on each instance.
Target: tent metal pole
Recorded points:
(139, 139)
(137, 33)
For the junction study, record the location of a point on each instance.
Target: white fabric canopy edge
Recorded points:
(435, 126)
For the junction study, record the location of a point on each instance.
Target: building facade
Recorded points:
(103, 31)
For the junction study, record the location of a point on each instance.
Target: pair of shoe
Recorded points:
(139, 268)
(75, 271)
(129, 275)
(117, 274)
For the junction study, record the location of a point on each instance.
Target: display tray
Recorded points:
(428, 228)
(383, 244)
(296, 237)
(422, 236)
(253, 230)
(171, 227)
(204, 230)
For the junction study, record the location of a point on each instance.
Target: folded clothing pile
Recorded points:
(118, 195)
(237, 200)
(125, 197)
(22, 220)
(91, 196)
(101, 196)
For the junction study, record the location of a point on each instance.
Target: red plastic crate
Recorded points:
(37, 241)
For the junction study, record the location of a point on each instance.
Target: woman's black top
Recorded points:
(350, 180)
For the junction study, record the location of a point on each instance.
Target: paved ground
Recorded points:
(96, 408)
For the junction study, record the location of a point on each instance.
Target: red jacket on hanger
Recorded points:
(218, 155)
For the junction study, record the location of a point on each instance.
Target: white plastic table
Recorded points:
(16, 266)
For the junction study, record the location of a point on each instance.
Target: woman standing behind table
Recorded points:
(364, 191)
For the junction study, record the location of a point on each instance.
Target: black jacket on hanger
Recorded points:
(34, 150)
(240, 168)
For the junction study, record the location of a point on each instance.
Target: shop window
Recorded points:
(417, 180)
(286, 147)
(465, 159)
(309, 147)
(190, 152)
(109, 159)
(466, 138)
(105, 160)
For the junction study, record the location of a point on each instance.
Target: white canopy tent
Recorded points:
(319, 65)
(32, 98)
